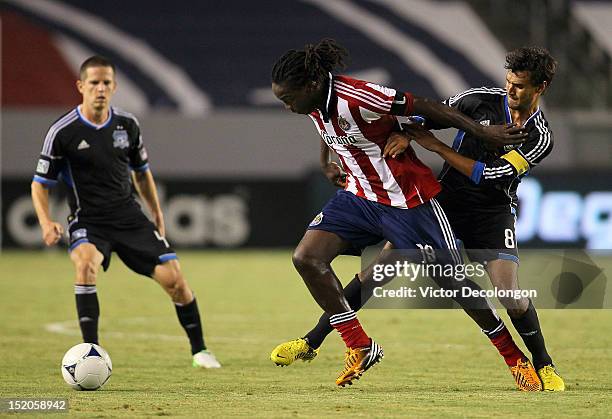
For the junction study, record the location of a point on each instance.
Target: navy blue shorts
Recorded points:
(487, 233)
(140, 247)
(363, 223)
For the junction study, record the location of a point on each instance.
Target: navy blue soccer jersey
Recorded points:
(498, 170)
(95, 162)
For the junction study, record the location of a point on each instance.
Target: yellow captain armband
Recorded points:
(517, 161)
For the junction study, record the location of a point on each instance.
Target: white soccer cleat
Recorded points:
(205, 359)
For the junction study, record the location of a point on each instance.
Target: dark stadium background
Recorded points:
(236, 169)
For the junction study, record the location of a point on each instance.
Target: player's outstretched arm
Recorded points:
(51, 231)
(506, 167)
(145, 186)
(444, 116)
(427, 140)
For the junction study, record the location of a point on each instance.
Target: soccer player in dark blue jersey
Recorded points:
(93, 149)
(480, 183)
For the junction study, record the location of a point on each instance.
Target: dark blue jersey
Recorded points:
(498, 170)
(95, 162)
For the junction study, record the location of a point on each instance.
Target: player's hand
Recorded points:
(335, 174)
(397, 143)
(423, 137)
(52, 232)
(158, 220)
(503, 134)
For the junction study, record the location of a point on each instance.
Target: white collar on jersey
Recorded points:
(326, 111)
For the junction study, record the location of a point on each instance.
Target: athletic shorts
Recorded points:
(139, 245)
(486, 233)
(364, 223)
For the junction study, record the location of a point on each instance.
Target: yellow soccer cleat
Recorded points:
(525, 376)
(551, 380)
(285, 353)
(357, 361)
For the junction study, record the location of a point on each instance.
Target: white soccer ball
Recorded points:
(86, 366)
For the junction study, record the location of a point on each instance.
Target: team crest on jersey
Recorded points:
(42, 166)
(317, 220)
(120, 139)
(343, 124)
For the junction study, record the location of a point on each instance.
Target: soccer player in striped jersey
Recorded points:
(385, 198)
(93, 149)
(479, 185)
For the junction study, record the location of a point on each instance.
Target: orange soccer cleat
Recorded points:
(358, 361)
(525, 376)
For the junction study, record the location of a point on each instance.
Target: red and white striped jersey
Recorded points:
(356, 124)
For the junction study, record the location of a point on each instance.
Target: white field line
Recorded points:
(71, 328)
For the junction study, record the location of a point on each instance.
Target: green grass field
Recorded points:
(437, 363)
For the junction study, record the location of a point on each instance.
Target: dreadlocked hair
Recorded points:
(296, 68)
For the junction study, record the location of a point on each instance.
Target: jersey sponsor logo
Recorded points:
(83, 145)
(338, 139)
(317, 220)
(78, 234)
(42, 166)
(343, 124)
(120, 139)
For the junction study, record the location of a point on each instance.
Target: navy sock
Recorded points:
(528, 326)
(88, 311)
(189, 317)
